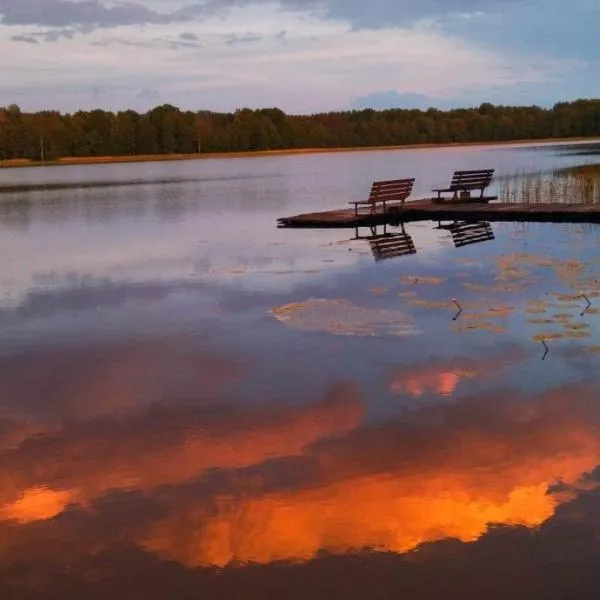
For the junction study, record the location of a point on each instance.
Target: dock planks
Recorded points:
(427, 210)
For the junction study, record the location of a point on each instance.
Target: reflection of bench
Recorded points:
(464, 234)
(464, 182)
(390, 245)
(382, 192)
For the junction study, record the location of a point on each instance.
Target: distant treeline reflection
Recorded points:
(572, 185)
(168, 130)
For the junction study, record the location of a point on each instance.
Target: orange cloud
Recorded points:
(422, 381)
(394, 488)
(167, 447)
(444, 377)
(36, 504)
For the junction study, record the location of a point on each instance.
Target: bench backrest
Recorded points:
(393, 190)
(472, 180)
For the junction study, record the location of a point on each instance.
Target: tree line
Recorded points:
(166, 129)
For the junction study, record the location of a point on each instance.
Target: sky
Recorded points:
(302, 56)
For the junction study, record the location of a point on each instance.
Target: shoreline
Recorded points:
(141, 158)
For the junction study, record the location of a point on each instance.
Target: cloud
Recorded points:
(188, 36)
(444, 378)
(84, 13)
(343, 54)
(444, 472)
(246, 38)
(25, 38)
(152, 444)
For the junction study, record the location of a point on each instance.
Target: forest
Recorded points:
(49, 135)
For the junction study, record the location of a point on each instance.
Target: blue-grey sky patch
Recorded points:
(387, 99)
(541, 26)
(149, 94)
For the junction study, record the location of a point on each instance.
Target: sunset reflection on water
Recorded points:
(167, 430)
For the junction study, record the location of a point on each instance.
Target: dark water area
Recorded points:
(196, 404)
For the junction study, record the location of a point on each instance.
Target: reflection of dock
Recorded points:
(465, 233)
(387, 245)
(426, 210)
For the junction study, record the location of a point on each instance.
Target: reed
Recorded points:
(577, 185)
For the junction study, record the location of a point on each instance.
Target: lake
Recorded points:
(197, 404)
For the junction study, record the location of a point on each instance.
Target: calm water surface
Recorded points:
(195, 404)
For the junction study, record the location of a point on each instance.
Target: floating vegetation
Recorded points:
(422, 280)
(501, 311)
(493, 312)
(593, 349)
(341, 317)
(502, 288)
(544, 337)
(431, 303)
(225, 271)
(473, 317)
(410, 294)
(576, 326)
(510, 273)
(536, 307)
(540, 261)
(476, 287)
(562, 317)
(481, 326)
(566, 297)
(576, 334)
(540, 321)
(379, 290)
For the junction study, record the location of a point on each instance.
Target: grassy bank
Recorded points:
(97, 160)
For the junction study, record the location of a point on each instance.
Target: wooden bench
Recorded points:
(382, 192)
(464, 182)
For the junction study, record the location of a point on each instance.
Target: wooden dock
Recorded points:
(427, 210)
